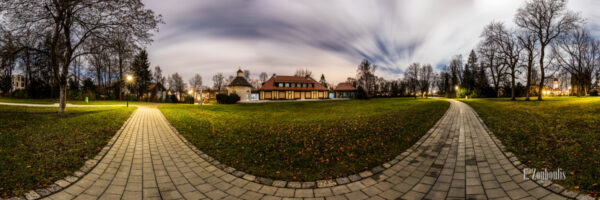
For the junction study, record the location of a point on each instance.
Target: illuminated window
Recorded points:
(280, 84)
(287, 84)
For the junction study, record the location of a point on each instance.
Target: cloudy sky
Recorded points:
(327, 37)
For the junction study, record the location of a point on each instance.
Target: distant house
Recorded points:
(18, 82)
(345, 90)
(292, 88)
(240, 86)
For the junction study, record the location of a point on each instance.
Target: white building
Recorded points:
(18, 82)
(240, 86)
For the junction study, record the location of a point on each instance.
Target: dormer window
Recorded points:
(280, 85)
(287, 84)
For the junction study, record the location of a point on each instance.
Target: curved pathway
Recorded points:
(456, 159)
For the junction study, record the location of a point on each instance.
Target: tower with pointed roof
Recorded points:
(240, 86)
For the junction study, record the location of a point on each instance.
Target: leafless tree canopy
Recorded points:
(547, 19)
(578, 53)
(70, 25)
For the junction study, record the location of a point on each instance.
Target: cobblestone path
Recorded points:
(456, 159)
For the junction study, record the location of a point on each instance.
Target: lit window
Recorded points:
(280, 84)
(287, 84)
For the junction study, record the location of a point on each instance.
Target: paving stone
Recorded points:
(458, 158)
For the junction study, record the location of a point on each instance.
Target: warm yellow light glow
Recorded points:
(456, 87)
(129, 78)
(190, 92)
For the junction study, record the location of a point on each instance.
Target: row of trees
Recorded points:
(549, 41)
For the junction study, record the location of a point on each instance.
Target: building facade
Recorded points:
(292, 88)
(240, 86)
(345, 90)
(18, 82)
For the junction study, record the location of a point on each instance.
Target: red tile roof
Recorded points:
(345, 87)
(271, 83)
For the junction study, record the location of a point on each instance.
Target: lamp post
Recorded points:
(129, 79)
(456, 90)
(190, 92)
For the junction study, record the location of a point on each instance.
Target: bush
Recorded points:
(594, 93)
(227, 99)
(20, 94)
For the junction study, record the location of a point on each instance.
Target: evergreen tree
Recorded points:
(322, 81)
(470, 72)
(142, 75)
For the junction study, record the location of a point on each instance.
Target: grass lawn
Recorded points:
(560, 132)
(39, 146)
(306, 140)
(29, 101)
(74, 102)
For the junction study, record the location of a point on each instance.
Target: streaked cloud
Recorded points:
(329, 37)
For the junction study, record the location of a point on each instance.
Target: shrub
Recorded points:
(20, 94)
(594, 93)
(227, 99)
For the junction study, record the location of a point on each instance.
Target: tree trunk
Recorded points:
(512, 95)
(529, 68)
(120, 78)
(62, 98)
(541, 88)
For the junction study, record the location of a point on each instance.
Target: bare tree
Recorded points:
(548, 19)
(528, 40)
(578, 53)
(510, 49)
(263, 77)
(411, 76)
(303, 73)
(491, 55)
(366, 76)
(71, 24)
(157, 77)
(218, 81)
(177, 85)
(195, 84)
(425, 79)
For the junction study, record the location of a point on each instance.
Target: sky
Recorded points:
(326, 37)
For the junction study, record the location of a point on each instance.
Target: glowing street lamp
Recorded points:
(129, 80)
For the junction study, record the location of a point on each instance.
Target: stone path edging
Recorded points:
(90, 164)
(307, 184)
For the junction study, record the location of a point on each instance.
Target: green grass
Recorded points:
(306, 140)
(74, 102)
(39, 146)
(109, 102)
(560, 132)
(29, 101)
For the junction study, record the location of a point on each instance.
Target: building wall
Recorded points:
(242, 91)
(18, 82)
(293, 95)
